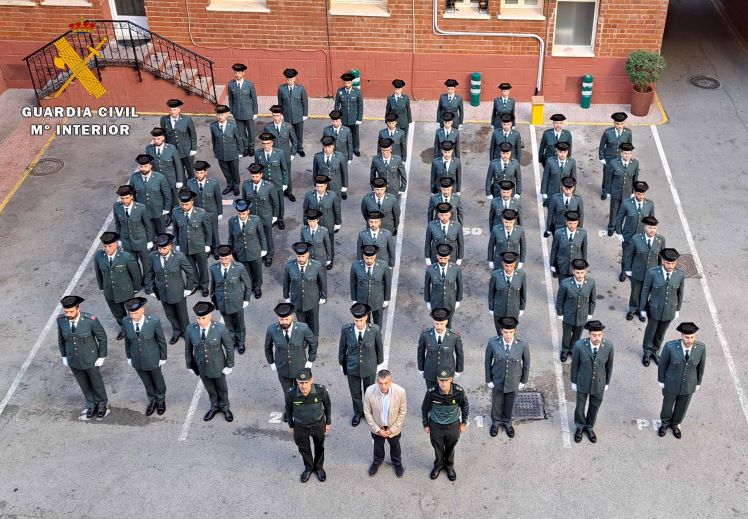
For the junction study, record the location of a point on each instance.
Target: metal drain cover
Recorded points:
(528, 405)
(706, 82)
(46, 167)
(686, 263)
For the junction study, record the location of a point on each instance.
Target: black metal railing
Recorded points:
(127, 44)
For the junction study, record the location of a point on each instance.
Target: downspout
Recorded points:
(541, 43)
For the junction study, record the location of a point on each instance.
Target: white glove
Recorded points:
(227, 370)
(620, 237)
(698, 387)
(573, 386)
(521, 386)
(553, 269)
(322, 301)
(677, 314)
(342, 370)
(589, 317)
(343, 189)
(661, 384)
(220, 217)
(272, 366)
(602, 161)
(304, 118)
(240, 156)
(189, 370)
(186, 293)
(275, 219)
(207, 248)
(335, 227)
(385, 304)
(193, 153)
(64, 361)
(349, 162)
(520, 265)
(161, 363)
(490, 197)
(643, 314)
(490, 312)
(458, 193)
(327, 263)
(457, 375)
(308, 364)
(606, 387)
(165, 211)
(516, 196)
(459, 262)
(490, 265)
(285, 187)
(521, 313)
(99, 362)
(149, 245)
(457, 305)
(153, 294)
(428, 262)
(129, 362)
(293, 157)
(560, 317)
(179, 185)
(545, 197)
(420, 372)
(263, 253)
(177, 247)
(460, 127)
(119, 243)
(245, 304)
(628, 273)
(358, 122)
(428, 306)
(287, 300)
(490, 384)
(254, 117)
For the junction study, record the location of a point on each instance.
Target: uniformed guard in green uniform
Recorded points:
(371, 283)
(446, 166)
(192, 235)
(208, 196)
(341, 134)
(262, 198)
(503, 105)
(645, 255)
(399, 103)
(230, 291)
(350, 102)
(145, 348)
(360, 351)
(286, 140)
(505, 133)
(209, 345)
(166, 161)
(551, 137)
(569, 243)
(117, 275)
(447, 133)
(309, 416)
(507, 290)
(624, 174)
(398, 137)
(250, 243)
(305, 285)
(680, 373)
(503, 167)
(293, 98)
(506, 199)
(506, 236)
(153, 191)
(442, 287)
(180, 131)
(556, 168)
(609, 148)
(629, 222)
(242, 99)
(228, 147)
(83, 347)
(507, 367)
(445, 413)
(450, 102)
(444, 230)
(575, 304)
(560, 203)
(273, 162)
(134, 226)
(591, 369)
(439, 348)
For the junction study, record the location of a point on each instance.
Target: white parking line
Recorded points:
(387, 340)
(562, 412)
(704, 284)
(191, 412)
(53, 317)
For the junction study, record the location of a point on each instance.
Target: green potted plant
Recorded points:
(643, 69)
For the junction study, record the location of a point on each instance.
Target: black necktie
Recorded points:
(503, 167)
(508, 234)
(201, 187)
(439, 340)
(225, 272)
(158, 152)
(566, 203)
(110, 262)
(360, 337)
(649, 243)
(302, 271)
(267, 157)
(202, 334)
(379, 203)
(444, 273)
(242, 224)
(72, 327)
(368, 272)
(327, 161)
(187, 217)
(687, 355)
(667, 278)
(290, 88)
(507, 347)
(311, 233)
(571, 237)
(444, 229)
(137, 329)
(508, 280)
(127, 213)
(286, 335)
(639, 207)
(594, 353)
(255, 187)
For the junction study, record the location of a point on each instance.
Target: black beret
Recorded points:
(572, 216)
(505, 146)
(509, 214)
(267, 136)
(444, 249)
(506, 185)
(71, 301)
(669, 254)
(222, 109)
(594, 326)
(283, 309)
(241, 205)
(626, 146)
(379, 182)
(505, 86)
(398, 83)
(125, 190)
(158, 132)
(347, 76)
(509, 257)
(374, 215)
(451, 83)
(568, 181)
(650, 220)
(619, 117)
(439, 314)
(508, 322)
(447, 145)
(558, 117)
(392, 116)
(687, 328)
(313, 214)
(225, 250)
(359, 310)
(203, 308)
(562, 146)
(185, 195)
(641, 186)
(336, 114)
(369, 250)
(162, 240)
(276, 109)
(579, 264)
(238, 67)
(444, 207)
(290, 72)
(143, 159)
(201, 165)
(448, 116)
(255, 168)
(135, 303)
(446, 182)
(174, 103)
(300, 247)
(109, 237)
(385, 142)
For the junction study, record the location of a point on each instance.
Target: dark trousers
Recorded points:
(627, 253)
(298, 128)
(311, 318)
(286, 384)
(254, 269)
(635, 295)
(92, 385)
(560, 278)
(118, 311)
(355, 385)
(375, 316)
(154, 384)
(654, 334)
(394, 442)
(230, 170)
(571, 334)
(502, 405)
(607, 176)
(281, 204)
(236, 327)
(267, 226)
(301, 435)
(218, 392)
(144, 259)
(159, 226)
(287, 153)
(615, 204)
(199, 262)
(586, 420)
(431, 384)
(215, 239)
(444, 438)
(188, 165)
(247, 131)
(674, 408)
(405, 131)
(354, 136)
(177, 316)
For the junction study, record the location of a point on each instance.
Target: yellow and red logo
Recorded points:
(78, 66)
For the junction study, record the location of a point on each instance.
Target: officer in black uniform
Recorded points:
(308, 408)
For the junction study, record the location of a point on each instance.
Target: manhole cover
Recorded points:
(706, 82)
(528, 405)
(686, 263)
(46, 167)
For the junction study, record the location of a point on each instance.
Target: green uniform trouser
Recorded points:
(654, 334)
(502, 405)
(118, 311)
(674, 408)
(92, 385)
(286, 384)
(587, 420)
(571, 334)
(153, 381)
(236, 327)
(355, 384)
(218, 392)
(636, 292)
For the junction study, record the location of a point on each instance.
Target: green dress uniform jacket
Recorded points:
(609, 143)
(680, 376)
(662, 299)
(168, 163)
(392, 170)
(275, 169)
(443, 292)
(498, 137)
(624, 177)
(574, 303)
(557, 211)
(553, 172)
(329, 204)
(384, 240)
(547, 147)
(154, 194)
(563, 251)
(497, 207)
(321, 250)
(135, 230)
(305, 291)
(507, 372)
(209, 197)
(351, 105)
(502, 106)
(182, 135)
(343, 140)
(629, 218)
(438, 198)
(294, 103)
(498, 171)
(507, 299)
(211, 356)
(455, 106)
(499, 242)
(242, 100)
(170, 282)
(192, 236)
(86, 345)
(285, 139)
(434, 357)
(249, 243)
(644, 257)
(360, 360)
(372, 290)
(121, 279)
(146, 349)
(289, 357)
(441, 136)
(435, 235)
(440, 169)
(390, 206)
(229, 293)
(336, 170)
(265, 204)
(401, 107)
(229, 144)
(399, 142)
(591, 374)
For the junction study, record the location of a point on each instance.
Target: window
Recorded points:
(376, 8)
(467, 9)
(575, 28)
(521, 10)
(246, 6)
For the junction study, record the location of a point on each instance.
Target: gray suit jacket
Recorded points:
(680, 376)
(497, 138)
(305, 292)
(553, 173)
(643, 257)
(385, 241)
(360, 360)
(343, 140)
(507, 300)
(629, 219)
(249, 243)
(660, 299)
(321, 246)
(229, 294)
(329, 205)
(438, 170)
(136, 230)
(336, 171)
(562, 251)
(211, 355)
(192, 236)
(436, 236)
(155, 195)
(146, 349)
(169, 163)
(591, 374)
(294, 103)
(506, 372)
(394, 172)
(229, 144)
(434, 357)
(443, 293)
(182, 135)
(289, 357)
(122, 279)
(441, 136)
(170, 282)
(499, 243)
(496, 173)
(242, 101)
(575, 304)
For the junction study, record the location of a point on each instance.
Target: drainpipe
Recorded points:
(541, 43)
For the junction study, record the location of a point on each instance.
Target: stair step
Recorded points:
(156, 61)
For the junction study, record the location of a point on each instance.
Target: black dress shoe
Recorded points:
(101, 412)
(603, 196)
(174, 339)
(578, 435)
(357, 153)
(656, 359)
(546, 234)
(205, 292)
(90, 412)
(435, 472)
(676, 431)
(494, 430)
(150, 409)
(622, 277)
(645, 360)
(662, 431)
(355, 421)
(509, 431)
(281, 224)
(161, 408)
(399, 470)
(321, 475)
(329, 267)
(251, 152)
(642, 318)
(610, 233)
(373, 469)
(629, 316)
(451, 474)
(121, 335)
(564, 356)
(227, 190)
(267, 261)
(237, 192)
(241, 349)
(591, 435)
(301, 153)
(305, 476)
(228, 415)
(285, 418)
(344, 196)
(290, 197)
(258, 293)
(209, 415)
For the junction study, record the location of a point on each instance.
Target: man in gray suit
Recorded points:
(399, 104)
(389, 166)
(333, 165)
(566, 200)
(506, 133)
(180, 131)
(504, 200)
(166, 161)
(446, 195)
(569, 243)
(609, 148)
(285, 139)
(292, 97)
(450, 102)
(350, 102)
(507, 290)
(228, 147)
(170, 280)
(209, 352)
(342, 135)
(624, 174)
(262, 198)
(208, 197)
(507, 236)
(591, 369)
(645, 255)
(153, 191)
(555, 169)
(386, 203)
(145, 349)
(117, 275)
(83, 347)
(447, 133)
(242, 100)
(661, 299)
(273, 162)
(133, 225)
(360, 351)
(318, 237)
(289, 347)
(503, 167)
(374, 234)
(371, 282)
(193, 232)
(328, 203)
(305, 286)
(679, 374)
(503, 105)
(446, 166)
(230, 291)
(507, 368)
(442, 287)
(552, 136)
(247, 240)
(398, 137)
(575, 304)
(444, 230)
(629, 222)
(439, 349)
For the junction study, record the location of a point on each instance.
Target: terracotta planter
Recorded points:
(641, 101)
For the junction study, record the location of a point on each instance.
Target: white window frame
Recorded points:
(576, 51)
(243, 6)
(520, 11)
(371, 8)
(467, 10)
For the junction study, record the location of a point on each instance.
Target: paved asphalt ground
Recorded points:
(54, 465)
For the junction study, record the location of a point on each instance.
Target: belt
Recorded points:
(384, 427)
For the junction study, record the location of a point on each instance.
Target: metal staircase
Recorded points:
(127, 45)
